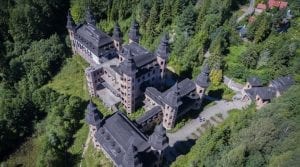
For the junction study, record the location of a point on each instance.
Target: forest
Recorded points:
(34, 48)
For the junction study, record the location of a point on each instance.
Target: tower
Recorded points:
(172, 103)
(134, 34)
(131, 158)
(71, 27)
(94, 118)
(117, 37)
(162, 53)
(159, 141)
(129, 69)
(203, 81)
(89, 17)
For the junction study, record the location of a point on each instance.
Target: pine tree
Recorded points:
(153, 21)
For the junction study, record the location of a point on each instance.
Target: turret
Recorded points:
(134, 34)
(93, 116)
(89, 17)
(162, 53)
(117, 37)
(70, 22)
(203, 81)
(131, 158)
(172, 103)
(129, 69)
(71, 27)
(159, 141)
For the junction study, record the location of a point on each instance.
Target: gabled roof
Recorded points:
(140, 54)
(254, 81)
(265, 93)
(170, 96)
(89, 34)
(116, 135)
(149, 114)
(282, 83)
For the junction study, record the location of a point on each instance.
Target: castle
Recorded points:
(131, 75)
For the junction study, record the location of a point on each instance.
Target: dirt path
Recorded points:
(86, 145)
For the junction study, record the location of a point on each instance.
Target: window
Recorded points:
(200, 91)
(161, 63)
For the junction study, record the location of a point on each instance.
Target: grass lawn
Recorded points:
(94, 158)
(71, 80)
(26, 155)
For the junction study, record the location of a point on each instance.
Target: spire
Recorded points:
(89, 17)
(117, 34)
(159, 140)
(70, 21)
(163, 49)
(131, 158)
(93, 115)
(203, 79)
(128, 66)
(173, 98)
(134, 33)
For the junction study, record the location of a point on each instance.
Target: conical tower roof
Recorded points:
(173, 98)
(89, 17)
(131, 158)
(93, 115)
(70, 21)
(203, 79)
(134, 33)
(128, 66)
(159, 140)
(163, 49)
(117, 34)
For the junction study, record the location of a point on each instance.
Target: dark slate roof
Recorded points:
(70, 21)
(128, 66)
(172, 98)
(117, 34)
(140, 54)
(134, 33)
(159, 140)
(282, 83)
(203, 79)
(149, 114)
(88, 34)
(131, 158)
(254, 81)
(89, 17)
(116, 134)
(265, 93)
(184, 88)
(163, 49)
(93, 116)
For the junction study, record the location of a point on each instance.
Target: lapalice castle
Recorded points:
(130, 75)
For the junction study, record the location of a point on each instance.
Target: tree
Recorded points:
(186, 21)
(216, 77)
(153, 21)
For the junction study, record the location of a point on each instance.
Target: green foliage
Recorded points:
(267, 137)
(216, 77)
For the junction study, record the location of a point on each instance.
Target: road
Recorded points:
(249, 11)
(191, 127)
